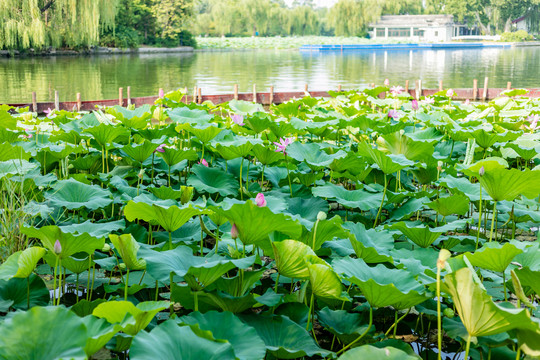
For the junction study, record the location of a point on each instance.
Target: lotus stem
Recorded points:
(467, 347)
(54, 280)
(196, 300)
(479, 219)
(93, 278)
(126, 284)
(28, 292)
(77, 287)
(493, 218)
(396, 321)
(315, 234)
(241, 190)
(504, 285)
(439, 322)
(170, 240)
(157, 291)
(277, 283)
(310, 310)
(262, 178)
(288, 173)
(382, 202)
(362, 335)
(88, 282)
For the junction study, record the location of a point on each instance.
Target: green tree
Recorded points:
(40, 23)
(171, 15)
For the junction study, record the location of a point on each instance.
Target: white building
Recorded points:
(417, 28)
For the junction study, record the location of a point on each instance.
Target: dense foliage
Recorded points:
(354, 227)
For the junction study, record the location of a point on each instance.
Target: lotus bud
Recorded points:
(260, 200)
(386, 82)
(122, 266)
(467, 102)
(27, 116)
(321, 216)
(57, 247)
(161, 93)
(414, 104)
(141, 174)
(187, 194)
(106, 248)
(234, 231)
(158, 113)
(443, 256)
(203, 162)
(160, 148)
(450, 93)
(482, 171)
(449, 313)
(439, 165)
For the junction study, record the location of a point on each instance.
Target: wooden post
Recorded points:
(475, 89)
(235, 91)
(254, 93)
(56, 100)
(194, 95)
(440, 85)
(372, 85)
(271, 95)
(418, 89)
(34, 102)
(406, 86)
(484, 93)
(79, 102)
(339, 88)
(509, 85)
(121, 96)
(129, 95)
(306, 88)
(199, 92)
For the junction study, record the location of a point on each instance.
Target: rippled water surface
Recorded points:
(99, 77)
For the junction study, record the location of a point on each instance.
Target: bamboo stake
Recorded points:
(199, 92)
(194, 94)
(271, 95)
(34, 102)
(254, 93)
(56, 100)
(407, 86)
(235, 91)
(440, 85)
(129, 95)
(339, 88)
(121, 96)
(509, 85)
(475, 89)
(79, 102)
(484, 93)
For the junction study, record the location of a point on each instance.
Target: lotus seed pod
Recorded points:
(321, 216)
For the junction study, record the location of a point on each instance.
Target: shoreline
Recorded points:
(96, 51)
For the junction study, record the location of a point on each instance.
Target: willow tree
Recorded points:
(40, 23)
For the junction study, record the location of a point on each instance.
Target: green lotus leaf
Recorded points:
(237, 148)
(174, 156)
(22, 263)
(204, 133)
(211, 300)
(242, 107)
(76, 265)
(255, 223)
(95, 229)
(388, 164)
(6, 120)
(182, 262)
(140, 152)
(503, 184)
(360, 199)
(346, 326)
(136, 118)
(62, 151)
(397, 143)
(524, 151)
(115, 312)
(71, 244)
(170, 218)
(106, 134)
(55, 333)
(128, 247)
(16, 167)
(494, 256)
(324, 281)
(244, 339)
(312, 154)
(454, 204)
(463, 185)
(529, 278)
(213, 180)
(382, 286)
(170, 341)
(486, 139)
(12, 152)
(73, 195)
(479, 314)
(184, 115)
(370, 245)
(166, 193)
(529, 339)
(372, 352)
(99, 332)
(16, 290)
(258, 122)
(284, 338)
(424, 236)
(290, 256)
(266, 155)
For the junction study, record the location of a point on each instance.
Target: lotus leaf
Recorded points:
(494, 256)
(372, 352)
(73, 195)
(212, 180)
(351, 198)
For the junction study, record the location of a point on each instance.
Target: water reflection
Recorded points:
(216, 72)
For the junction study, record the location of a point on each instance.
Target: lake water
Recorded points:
(99, 77)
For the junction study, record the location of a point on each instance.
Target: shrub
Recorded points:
(520, 35)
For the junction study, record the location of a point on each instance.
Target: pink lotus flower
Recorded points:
(386, 82)
(57, 247)
(238, 119)
(482, 171)
(467, 102)
(161, 93)
(414, 104)
(260, 200)
(203, 162)
(533, 119)
(234, 231)
(450, 93)
(394, 114)
(49, 112)
(396, 90)
(428, 101)
(282, 145)
(160, 148)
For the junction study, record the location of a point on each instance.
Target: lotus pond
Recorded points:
(350, 227)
